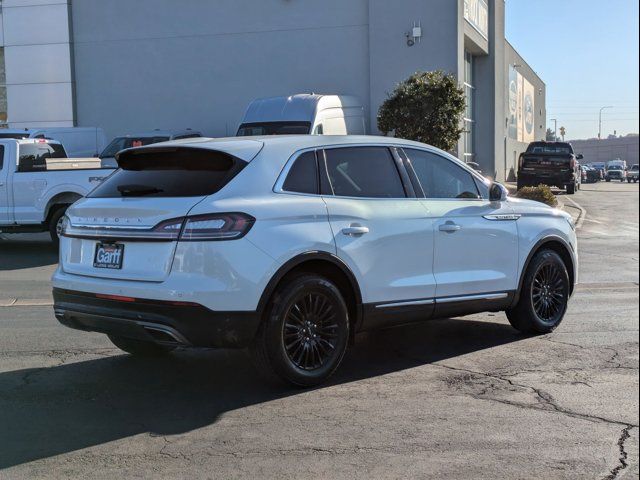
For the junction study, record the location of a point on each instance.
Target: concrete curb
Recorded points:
(26, 302)
(582, 212)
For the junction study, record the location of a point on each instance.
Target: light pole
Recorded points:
(600, 121)
(555, 128)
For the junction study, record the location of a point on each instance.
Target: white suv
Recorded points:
(290, 245)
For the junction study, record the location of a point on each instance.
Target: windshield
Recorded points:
(615, 167)
(120, 143)
(274, 128)
(635, 167)
(552, 148)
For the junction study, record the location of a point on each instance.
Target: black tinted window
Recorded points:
(178, 173)
(274, 128)
(303, 176)
(32, 157)
(363, 172)
(440, 177)
(1, 156)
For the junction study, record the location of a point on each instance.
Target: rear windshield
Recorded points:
(553, 148)
(120, 143)
(32, 157)
(183, 172)
(274, 128)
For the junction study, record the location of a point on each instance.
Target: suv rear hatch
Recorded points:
(128, 227)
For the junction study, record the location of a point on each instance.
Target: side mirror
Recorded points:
(498, 192)
(579, 156)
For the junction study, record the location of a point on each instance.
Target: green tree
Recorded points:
(550, 136)
(427, 107)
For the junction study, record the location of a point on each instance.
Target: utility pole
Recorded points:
(555, 128)
(600, 121)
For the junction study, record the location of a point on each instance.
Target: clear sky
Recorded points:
(586, 51)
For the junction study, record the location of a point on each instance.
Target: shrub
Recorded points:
(541, 193)
(427, 107)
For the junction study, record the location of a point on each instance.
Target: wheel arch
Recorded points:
(63, 198)
(562, 248)
(327, 265)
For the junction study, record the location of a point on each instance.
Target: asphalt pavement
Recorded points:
(458, 398)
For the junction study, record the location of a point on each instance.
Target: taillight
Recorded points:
(219, 226)
(169, 229)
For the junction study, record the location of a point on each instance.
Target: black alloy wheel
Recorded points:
(544, 295)
(305, 332)
(549, 293)
(310, 334)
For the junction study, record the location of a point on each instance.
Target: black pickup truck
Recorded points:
(550, 163)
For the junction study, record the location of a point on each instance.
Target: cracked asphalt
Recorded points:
(458, 398)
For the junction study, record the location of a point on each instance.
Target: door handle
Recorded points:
(352, 230)
(449, 227)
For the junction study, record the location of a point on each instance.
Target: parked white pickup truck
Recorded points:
(37, 184)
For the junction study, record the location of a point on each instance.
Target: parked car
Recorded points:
(304, 114)
(616, 171)
(601, 167)
(79, 142)
(550, 163)
(140, 139)
(583, 174)
(633, 174)
(38, 183)
(289, 245)
(592, 175)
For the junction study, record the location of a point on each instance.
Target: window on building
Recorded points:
(469, 114)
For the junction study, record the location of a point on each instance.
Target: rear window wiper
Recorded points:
(138, 190)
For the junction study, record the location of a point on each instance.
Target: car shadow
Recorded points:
(16, 255)
(50, 411)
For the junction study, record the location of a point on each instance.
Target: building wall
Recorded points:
(158, 64)
(140, 66)
(513, 147)
(37, 60)
(594, 150)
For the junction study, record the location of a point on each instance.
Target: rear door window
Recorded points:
(303, 175)
(32, 157)
(368, 172)
(184, 172)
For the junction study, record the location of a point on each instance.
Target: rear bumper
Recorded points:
(163, 322)
(533, 179)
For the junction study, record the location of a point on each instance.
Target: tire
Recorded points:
(571, 189)
(607, 180)
(140, 348)
(299, 312)
(54, 223)
(544, 314)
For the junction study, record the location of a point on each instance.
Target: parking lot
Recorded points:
(458, 398)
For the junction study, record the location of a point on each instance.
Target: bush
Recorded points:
(427, 107)
(541, 193)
